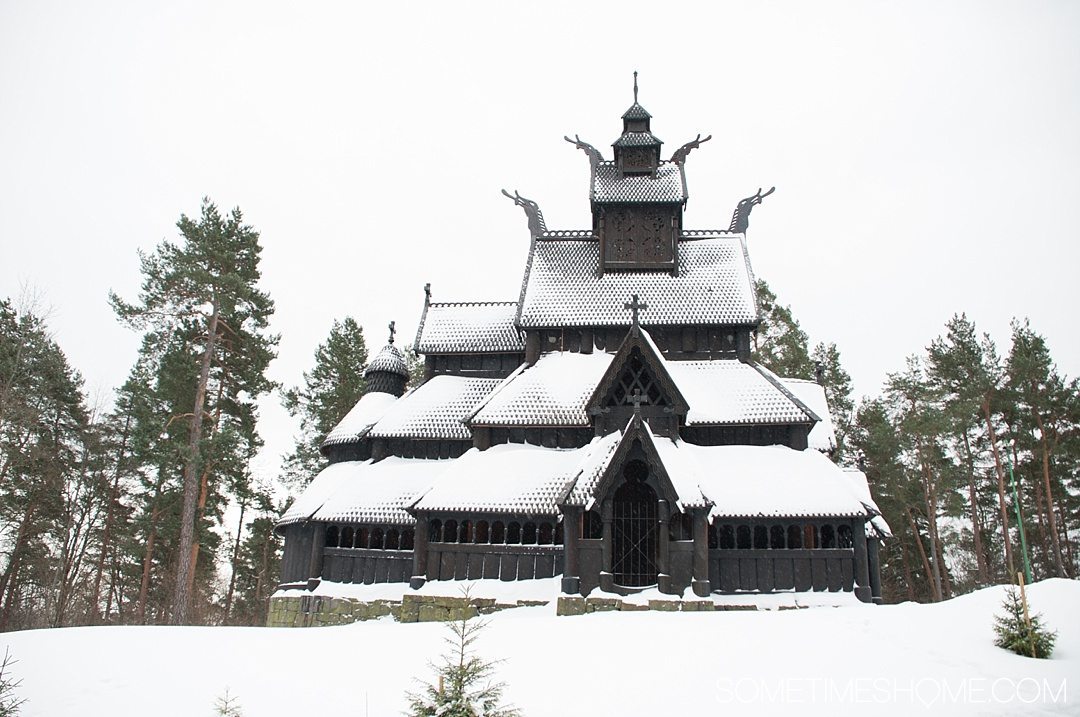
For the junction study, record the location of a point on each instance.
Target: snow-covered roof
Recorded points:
(592, 469)
(367, 411)
(435, 409)
(750, 481)
(552, 392)
(732, 392)
(507, 478)
(367, 492)
(823, 435)
(563, 286)
(389, 359)
(876, 527)
(469, 328)
(666, 185)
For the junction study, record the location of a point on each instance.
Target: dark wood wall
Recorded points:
(359, 565)
(481, 365)
(462, 561)
(675, 342)
(769, 570)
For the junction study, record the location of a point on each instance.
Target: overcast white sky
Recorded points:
(926, 155)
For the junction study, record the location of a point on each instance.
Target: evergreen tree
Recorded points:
(205, 290)
(10, 702)
(1028, 637)
(837, 384)
(464, 687)
(330, 390)
(780, 344)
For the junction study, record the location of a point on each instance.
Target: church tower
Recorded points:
(638, 199)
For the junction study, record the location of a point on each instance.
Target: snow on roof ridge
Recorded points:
(779, 383)
(494, 392)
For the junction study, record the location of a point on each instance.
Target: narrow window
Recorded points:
(498, 533)
(727, 537)
(776, 537)
(481, 531)
(435, 531)
(513, 534)
(828, 536)
(332, 536)
(465, 532)
(794, 536)
(761, 537)
(592, 526)
(376, 538)
(407, 539)
(546, 534)
(528, 534)
(450, 531)
(346, 537)
(809, 536)
(742, 534)
(843, 536)
(361, 537)
(391, 541)
(713, 538)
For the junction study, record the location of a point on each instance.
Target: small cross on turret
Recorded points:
(635, 306)
(637, 399)
(392, 331)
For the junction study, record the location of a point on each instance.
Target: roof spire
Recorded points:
(392, 331)
(635, 86)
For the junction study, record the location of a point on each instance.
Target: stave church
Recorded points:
(609, 429)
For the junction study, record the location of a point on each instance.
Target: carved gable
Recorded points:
(639, 236)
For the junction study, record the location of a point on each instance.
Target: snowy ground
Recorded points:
(896, 660)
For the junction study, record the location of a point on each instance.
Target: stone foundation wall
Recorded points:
(572, 605)
(320, 610)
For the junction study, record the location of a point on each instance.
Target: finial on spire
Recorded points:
(392, 331)
(635, 86)
(427, 293)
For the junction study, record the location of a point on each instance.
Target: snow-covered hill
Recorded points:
(904, 659)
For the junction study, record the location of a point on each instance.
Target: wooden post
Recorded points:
(663, 579)
(315, 564)
(863, 590)
(873, 553)
(701, 553)
(420, 553)
(1027, 616)
(571, 582)
(607, 579)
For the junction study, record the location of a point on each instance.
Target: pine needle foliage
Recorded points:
(9, 701)
(1014, 633)
(465, 685)
(228, 706)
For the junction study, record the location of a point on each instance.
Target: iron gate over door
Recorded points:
(634, 529)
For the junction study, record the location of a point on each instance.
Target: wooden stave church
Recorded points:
(610, 427)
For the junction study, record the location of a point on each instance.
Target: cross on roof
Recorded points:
(392, 331)
(637, 399)
(635, 306)
(635, 86)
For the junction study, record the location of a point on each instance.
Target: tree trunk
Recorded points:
(148, 556)
(1068, 544)
(235, 553)
(976, 530)
(1049, 496)
(107, 533)
(10, 577)
(182, 596)
(930, 496)
(1001, 488)
(907, 572)
(922, 553)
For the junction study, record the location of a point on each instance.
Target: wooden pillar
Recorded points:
(571, 582)
(663, 579)
(701, 552)
(420, 553)
(481, 437)
(315, 564)
(862, 571)
(607, 579)
(532, 346)
(873, 547)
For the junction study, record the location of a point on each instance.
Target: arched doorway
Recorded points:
(634, 528)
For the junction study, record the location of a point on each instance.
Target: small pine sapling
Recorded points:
(9, 701)
(228, 706)
(465, 686)
(1023, 634)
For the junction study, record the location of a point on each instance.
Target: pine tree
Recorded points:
(228, 706)
(1029, 637)
(464, 687)
(780, 344)
(837, 384)
(330, 390)
(10, 702)
(205, 289)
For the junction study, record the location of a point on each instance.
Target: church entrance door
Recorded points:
(634, 529)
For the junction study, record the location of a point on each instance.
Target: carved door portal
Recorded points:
(634, 529)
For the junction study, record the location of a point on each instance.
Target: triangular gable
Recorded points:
(637, 434)
(638, 364)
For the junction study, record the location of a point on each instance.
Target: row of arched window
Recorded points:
(496, 532)
(727, 536)
(375, 537)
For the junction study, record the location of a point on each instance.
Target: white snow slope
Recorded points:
(892, 660)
